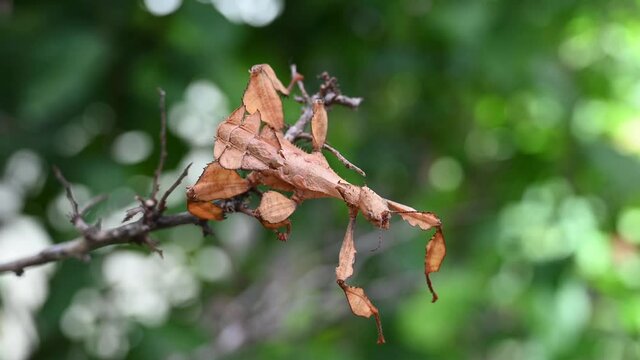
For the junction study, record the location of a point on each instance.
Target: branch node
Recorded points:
(206, 229)
(131, 213)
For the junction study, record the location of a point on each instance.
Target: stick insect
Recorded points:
(252, 139)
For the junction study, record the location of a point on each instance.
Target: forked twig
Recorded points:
(329, 92)
(163, 201)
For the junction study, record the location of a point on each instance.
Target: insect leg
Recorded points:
(274, 211)
(358, 301)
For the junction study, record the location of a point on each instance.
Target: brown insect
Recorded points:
(251, 139)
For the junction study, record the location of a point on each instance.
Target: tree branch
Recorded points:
(153, 218)
(79, 247)
(329, 92)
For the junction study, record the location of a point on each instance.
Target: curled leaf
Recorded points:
(435, 253)
(319, 125)
(217, 182)
(348, 250)
(361, 306)
(205, 210)
(358, 301)
(275, 207)
(422, 219)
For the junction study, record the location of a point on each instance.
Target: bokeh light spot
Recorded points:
(212, 263)
(252, 12)
(10, 202)
(24, 172)
(445, 174)
(196, 118)
(131, 147)
(627, 136)
(629, 225)
(162, 7)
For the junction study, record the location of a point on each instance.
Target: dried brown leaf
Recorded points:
(319, 125)
(205, 210)
(435, 253)
(261, 95)
(275, 207)
(422, 219)
(361, 306)
(348, 250)
(217, 182)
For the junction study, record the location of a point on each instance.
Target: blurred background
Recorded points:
(517, 122)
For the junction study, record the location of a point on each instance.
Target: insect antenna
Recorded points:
(379, 241)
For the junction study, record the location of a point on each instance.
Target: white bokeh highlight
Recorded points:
(21, 296)
(162, 7)
(251, 12)
(131, 147)
(196, 118)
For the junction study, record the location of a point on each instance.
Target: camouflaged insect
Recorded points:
(251, 139)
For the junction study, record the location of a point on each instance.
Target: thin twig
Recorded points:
(92, 203)
(130, 213)
(348, 164)
(299, 126)
(76, 216)
(329, 92)
(303, 91)
(67, 187)
(351, 102)
(163, 201)
(163, 146)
